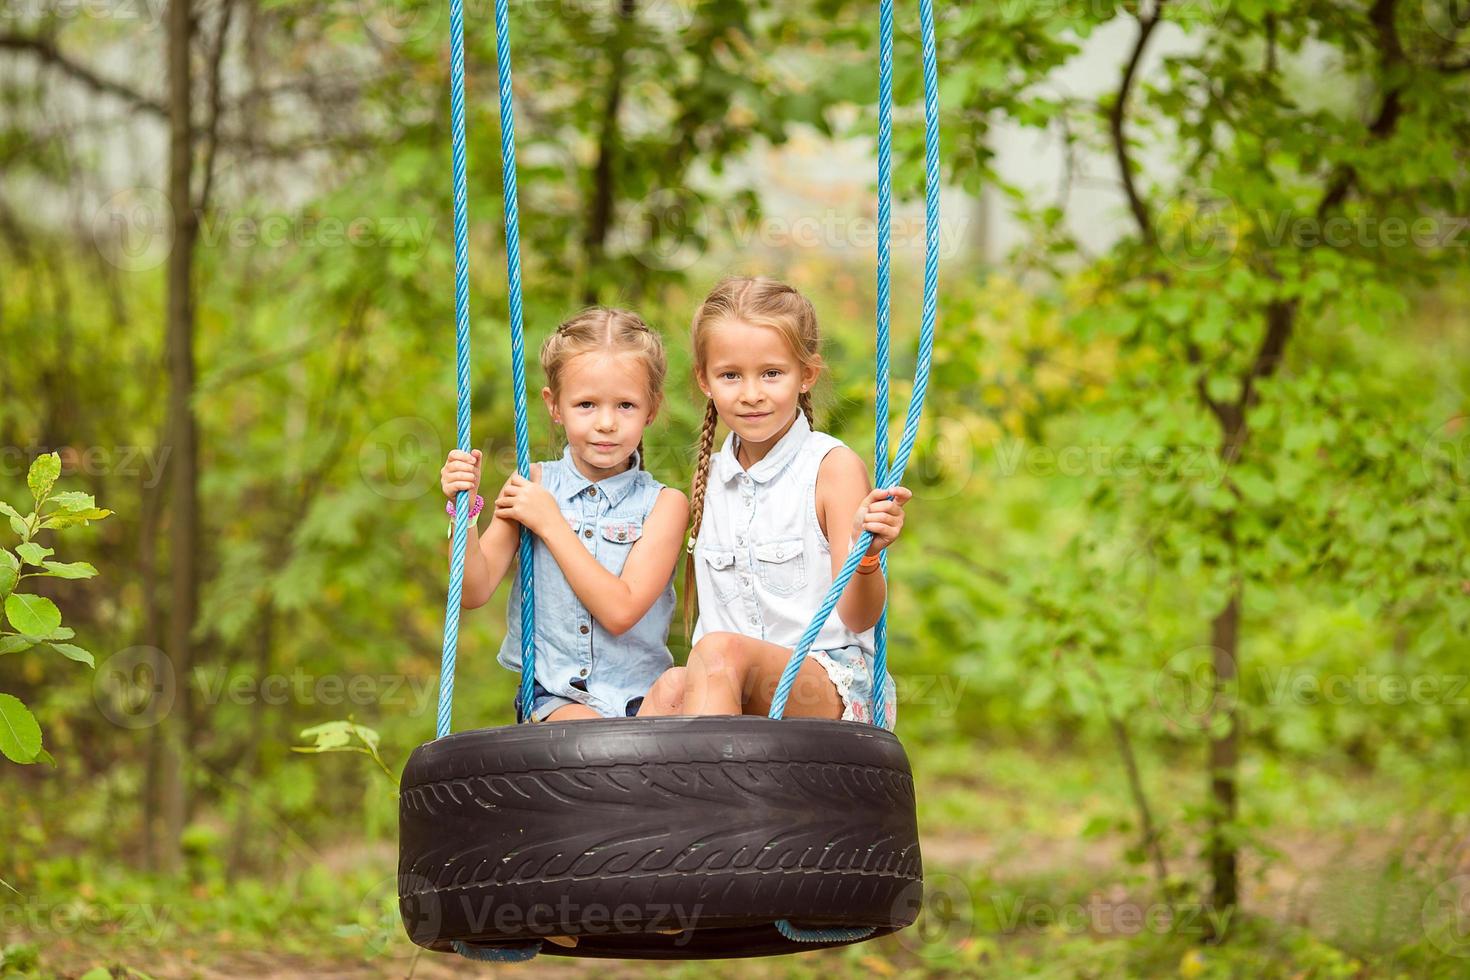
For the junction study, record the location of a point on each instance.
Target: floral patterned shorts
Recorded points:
(851, 672)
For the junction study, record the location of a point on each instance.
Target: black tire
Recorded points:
(614, 831)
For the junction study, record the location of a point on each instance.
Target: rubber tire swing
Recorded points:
(661, 838)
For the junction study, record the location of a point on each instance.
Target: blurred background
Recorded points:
(1179, 621)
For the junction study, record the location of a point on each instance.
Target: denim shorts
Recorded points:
(543, 703)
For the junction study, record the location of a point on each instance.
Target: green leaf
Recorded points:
(15, 644)
(9, 573)
(10, 511)
(73, 570)
(42, 477)
(60, 633)
(18, 525)
(74, 500)
(74, 653)
(34, 553)
(74, 519)
(20, 736)
(32, 615)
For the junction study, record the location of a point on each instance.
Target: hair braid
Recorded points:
(696, 509)
(805, 401)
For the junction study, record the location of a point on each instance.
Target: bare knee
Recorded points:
(670, 685)
(718, 653)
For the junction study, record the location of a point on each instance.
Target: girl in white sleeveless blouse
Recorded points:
(774, 516)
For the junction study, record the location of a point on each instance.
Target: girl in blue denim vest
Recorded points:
(607, 534)
(775, 513)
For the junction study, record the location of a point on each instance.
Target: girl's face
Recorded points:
(754, 378)
(604, 406)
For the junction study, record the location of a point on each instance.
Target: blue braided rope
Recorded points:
(462, 350)
(461, 360)
(799, 935)
(518, 953)
(517, 336)
(880, 432)
(926, 350)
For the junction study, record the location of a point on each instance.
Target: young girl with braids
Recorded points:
(607, 534)
(775, 513)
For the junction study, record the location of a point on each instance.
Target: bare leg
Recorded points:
(730, 674)
(666, 697)
(572, 712)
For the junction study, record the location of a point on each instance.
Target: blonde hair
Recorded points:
(761, 301)
(602, 328)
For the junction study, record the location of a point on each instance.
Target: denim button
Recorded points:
(587, 533)
(584, 629)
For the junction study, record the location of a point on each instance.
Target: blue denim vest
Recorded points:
(576, 658)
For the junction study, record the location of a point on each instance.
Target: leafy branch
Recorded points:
(35, 620)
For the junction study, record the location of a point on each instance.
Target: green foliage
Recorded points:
(34, 619)
(338, 736)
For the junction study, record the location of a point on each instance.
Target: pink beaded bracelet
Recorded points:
(474, 509)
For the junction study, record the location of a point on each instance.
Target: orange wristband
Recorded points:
(869, 562)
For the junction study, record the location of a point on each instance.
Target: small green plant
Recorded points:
(34, 620)
(337, 736)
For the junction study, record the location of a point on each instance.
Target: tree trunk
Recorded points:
(1224, 755)
(599, 217)
(183, 491)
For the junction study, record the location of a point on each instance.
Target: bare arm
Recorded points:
(619, 602)
(488, 556)
(842, 483)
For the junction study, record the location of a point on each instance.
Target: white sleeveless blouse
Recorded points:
(762, 565)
